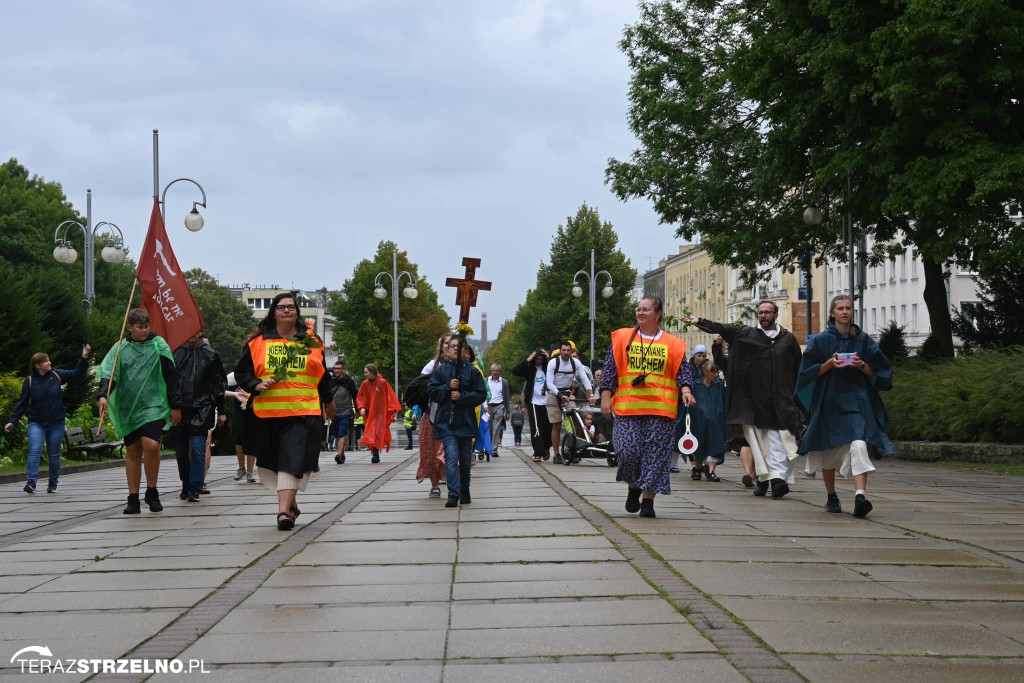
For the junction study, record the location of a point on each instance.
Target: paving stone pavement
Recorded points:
(544, 577)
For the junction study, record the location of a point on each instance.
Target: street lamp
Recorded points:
(606, 292)
(193, 219)
(65, 253)
(410, 292)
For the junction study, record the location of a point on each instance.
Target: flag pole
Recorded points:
(120, 340)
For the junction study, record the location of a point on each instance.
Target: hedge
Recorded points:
(974, 398)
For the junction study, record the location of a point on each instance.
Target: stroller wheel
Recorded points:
(568, 449)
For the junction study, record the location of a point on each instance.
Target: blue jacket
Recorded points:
(472, 392)
(843, 405)
(45, 400)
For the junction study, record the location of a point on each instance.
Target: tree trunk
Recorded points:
(938, 306)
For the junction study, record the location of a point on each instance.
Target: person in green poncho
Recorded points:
(142, 398)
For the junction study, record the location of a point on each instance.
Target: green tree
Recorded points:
(363, 333)
(997, 320)
(551, 313)
(904, 114)
(228, 320)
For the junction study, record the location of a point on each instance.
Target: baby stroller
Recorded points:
(579, 443)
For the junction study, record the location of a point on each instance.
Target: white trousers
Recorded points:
(850, 460)
(774, 453)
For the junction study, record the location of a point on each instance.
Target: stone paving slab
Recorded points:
(357, 575)
(544, 571)
(310, 619)
(550, 589)
(104, 600)
(319, 646)
(366, 532)
(565, 614)
(584, 640)
(147, 580)
(377, 552)
(891, 638)
(918, 671)
(341, 673)
(709, 669)
(360, 594)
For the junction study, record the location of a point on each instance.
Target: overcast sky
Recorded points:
(319, 128)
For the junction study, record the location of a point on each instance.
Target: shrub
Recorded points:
(893, 342)
(973, 398)
(15, 444)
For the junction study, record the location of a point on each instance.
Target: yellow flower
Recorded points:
(464, 328)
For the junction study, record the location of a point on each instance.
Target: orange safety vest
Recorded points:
(296, 395)
(658, 394)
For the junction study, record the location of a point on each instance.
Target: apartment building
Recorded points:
(311, 310)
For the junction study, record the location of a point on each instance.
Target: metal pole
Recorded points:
(156, 169)
(849, 220)
(810, 294)
(90, 262)
(394, 308)
(593, 306)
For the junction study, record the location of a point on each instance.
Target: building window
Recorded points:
(892, 313)
(874, 319)
(874, 277)
(913, 317)
(913, 268)
(903, 266)
(903, 315)
(892, 270)
(967, 310)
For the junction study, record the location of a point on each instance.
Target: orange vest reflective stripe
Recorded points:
(658, 394)
(296, 395)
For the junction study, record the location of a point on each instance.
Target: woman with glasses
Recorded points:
(283, 431)
(645, 373)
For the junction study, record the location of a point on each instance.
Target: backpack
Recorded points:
(415, 393)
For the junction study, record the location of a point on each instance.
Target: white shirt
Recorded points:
(429, 367)
(563, 375)
(538, 388)
(497, 396)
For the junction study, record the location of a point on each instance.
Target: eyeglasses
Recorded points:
(286, 307)
(766, 312)
(645, 310)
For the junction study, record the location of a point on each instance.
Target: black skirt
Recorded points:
(284, 444)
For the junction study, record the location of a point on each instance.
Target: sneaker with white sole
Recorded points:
(435, 492)
(250, 477)
(239, 473)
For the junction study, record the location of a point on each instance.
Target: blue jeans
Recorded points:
(52, 434)
(190, 469)
(458, 458)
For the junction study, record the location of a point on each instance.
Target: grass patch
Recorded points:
(21, 466)
(1014, 470)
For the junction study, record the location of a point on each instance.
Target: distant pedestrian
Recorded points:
(287, 416)
(201, 382)
(841, 373)
(565, 376)
(42, 398)
(246, 463)
(644, 379)
(409, 423)
(343, 389)
(763, 365)
(498, 406)
(357, 427)
(535, 399)
(517, 419)
(141, 398)
(735, 441)
(456, 390)
(377, 404)
(708, 423)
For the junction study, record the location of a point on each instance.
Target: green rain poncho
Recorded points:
(140, 394)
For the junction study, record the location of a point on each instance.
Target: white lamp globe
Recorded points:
(194, 221)
(380, 292)
(410, 292)
(577, 291)
(813, 215)
(70, 255)
(60, 254)
(112, 254)
(607, 291)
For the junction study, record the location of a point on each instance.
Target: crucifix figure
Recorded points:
(467, 288)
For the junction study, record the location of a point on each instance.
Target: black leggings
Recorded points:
(540, 429)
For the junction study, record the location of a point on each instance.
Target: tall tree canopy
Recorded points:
(228, 320)
(364, 331)
(551, 313)
(914, 105)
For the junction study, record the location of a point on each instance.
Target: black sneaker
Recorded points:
(647, 507)
(133, 507)
(184, 493)
(453, 501)
(52, 487)
(375, 458)
(833, 504)
(861, 506)
(152, 498)
(340, 459)
(464, 498)
(695, 474)
(779, 488)
(633, 500)
(761, 489)
(29, 488)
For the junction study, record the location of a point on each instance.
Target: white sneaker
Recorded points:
(239, 473)
(251, 477)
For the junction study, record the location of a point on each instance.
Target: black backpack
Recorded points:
(415, 393)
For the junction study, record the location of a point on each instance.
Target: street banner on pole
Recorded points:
(173, 312)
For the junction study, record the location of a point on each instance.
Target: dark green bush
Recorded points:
(974, 398)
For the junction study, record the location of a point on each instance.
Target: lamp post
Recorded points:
(193, 219)
(410, 292)
(65, 253)
(812, 217)
(606, 292)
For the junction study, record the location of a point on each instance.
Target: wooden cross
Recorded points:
(467, 288)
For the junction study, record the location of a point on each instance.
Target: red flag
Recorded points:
(172, 310)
